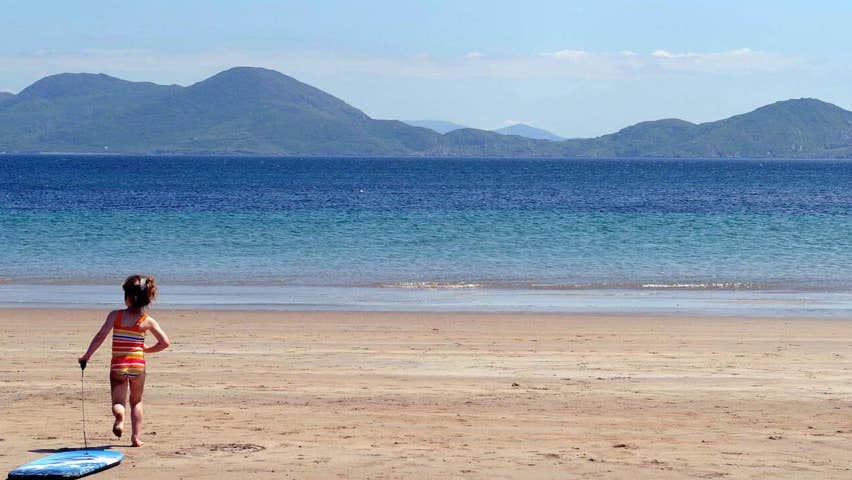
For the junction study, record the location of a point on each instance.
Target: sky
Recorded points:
(577, 68)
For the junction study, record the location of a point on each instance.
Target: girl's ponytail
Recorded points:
(141, 290)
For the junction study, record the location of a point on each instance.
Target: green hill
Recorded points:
(255, 110)
(71, 112)
(241, 110)
(805, 127)
(793, 128)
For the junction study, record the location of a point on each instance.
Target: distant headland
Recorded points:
(246, 110)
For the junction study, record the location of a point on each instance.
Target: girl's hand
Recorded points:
(162, 340)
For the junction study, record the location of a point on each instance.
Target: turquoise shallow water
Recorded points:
(484, 247)
(496, 225)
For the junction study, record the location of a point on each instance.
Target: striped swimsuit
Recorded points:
(128, 358)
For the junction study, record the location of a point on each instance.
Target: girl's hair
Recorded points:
(140, 289)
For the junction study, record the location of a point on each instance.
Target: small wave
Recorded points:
(430, 285)
(434, 285)
(703, 286)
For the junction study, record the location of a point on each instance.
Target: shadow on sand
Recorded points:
(60, 450)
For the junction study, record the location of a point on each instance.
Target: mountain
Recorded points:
(72, 112)
(4, 96)
(241, 110)
(803, 127)
(439, 126)
(658, 138)
(260, 111)
(256, 110)
(523, 130)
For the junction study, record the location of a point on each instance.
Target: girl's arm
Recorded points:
(162, 340)
(99, 338)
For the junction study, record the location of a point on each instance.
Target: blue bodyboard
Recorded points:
(69, 464)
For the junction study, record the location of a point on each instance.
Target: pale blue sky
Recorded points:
(578, 68)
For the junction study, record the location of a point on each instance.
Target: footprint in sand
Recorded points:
(235, 447)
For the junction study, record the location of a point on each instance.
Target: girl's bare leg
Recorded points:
(137, 386)
(118, 385)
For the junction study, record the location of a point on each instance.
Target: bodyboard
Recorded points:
(68, 464)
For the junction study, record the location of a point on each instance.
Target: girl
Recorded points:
(128, 351)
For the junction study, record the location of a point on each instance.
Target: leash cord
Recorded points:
(83, 403)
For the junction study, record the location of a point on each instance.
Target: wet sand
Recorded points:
(445, 395)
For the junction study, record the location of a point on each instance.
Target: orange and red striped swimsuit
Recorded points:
(128, 356)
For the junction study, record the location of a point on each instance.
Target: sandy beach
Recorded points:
(445, 395)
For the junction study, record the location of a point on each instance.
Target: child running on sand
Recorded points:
(127, 368)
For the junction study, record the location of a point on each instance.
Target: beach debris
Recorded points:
(516, 384)
(775, 437)
(620, 445)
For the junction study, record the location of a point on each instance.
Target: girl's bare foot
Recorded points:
(118, 426)
(137, 443)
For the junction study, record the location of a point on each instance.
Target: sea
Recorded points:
(721, 236)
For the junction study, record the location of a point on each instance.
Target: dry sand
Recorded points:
(421, 396)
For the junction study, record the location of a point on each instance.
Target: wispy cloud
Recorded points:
(743, 60)
(568, 54)
(740, 52)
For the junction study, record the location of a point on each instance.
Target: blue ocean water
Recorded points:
(488, 223)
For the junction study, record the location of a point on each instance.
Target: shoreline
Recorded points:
(689, 302)
(391, 395)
